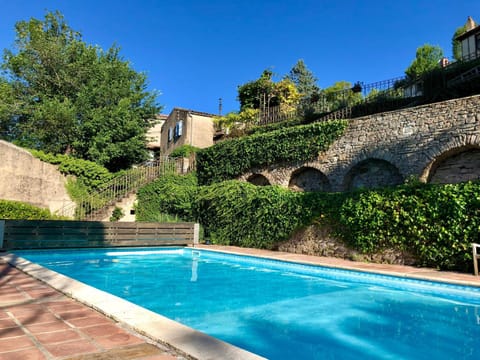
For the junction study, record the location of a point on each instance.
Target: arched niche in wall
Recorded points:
(258, 179)
(308, 179)
(456, 165)
(372, 173)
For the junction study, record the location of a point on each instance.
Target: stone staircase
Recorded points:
(121, 190)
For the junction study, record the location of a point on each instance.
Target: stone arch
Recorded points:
(455, 165)
(309, 179)
(372, 173)
(258, 179)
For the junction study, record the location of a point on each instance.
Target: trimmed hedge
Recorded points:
(231, 158)
(16, 210)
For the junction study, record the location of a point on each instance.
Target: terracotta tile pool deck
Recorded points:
(40, 322)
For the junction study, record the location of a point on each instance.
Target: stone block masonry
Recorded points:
(438, 142)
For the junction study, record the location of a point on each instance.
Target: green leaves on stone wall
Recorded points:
(232, 158)
(436, 223)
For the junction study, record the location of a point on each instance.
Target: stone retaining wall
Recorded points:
(318, 241)
(25, 178)
(433, 142)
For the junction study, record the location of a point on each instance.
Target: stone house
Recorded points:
(470, 41)
(186, 127)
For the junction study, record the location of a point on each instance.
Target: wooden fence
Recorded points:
(35, 234)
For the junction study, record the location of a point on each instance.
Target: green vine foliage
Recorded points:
(89, 173)
(231, 158)
(172, 195)
(241, 214)
(436, 223)
(184, 151)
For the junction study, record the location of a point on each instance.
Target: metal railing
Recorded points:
(340, 104)
(93, 206)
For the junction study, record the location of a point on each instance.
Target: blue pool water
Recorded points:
(285, 310)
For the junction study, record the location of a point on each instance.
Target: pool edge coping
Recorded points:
(415, 276)
(186, 340)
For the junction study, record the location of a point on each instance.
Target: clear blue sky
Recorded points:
(197, 51)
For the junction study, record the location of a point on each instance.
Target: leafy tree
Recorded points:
(457, 45)
(305, 83)
(264, 92)
(75, 98)
(257, 98)
(340, 95)
(253, 93)
(286, 95)
(426, 59)
(7, 107)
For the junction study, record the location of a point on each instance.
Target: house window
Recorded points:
(170, 134)
(179, 129)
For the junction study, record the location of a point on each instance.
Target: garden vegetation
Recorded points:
(434, 223)
(231, 158)
(16, 210)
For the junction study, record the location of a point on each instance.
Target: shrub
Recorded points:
(171, 194)
(117, 214)
(435, 223)
(184, 151)
(15, 210)
(231, 158)
(242, 214)
(260, 129)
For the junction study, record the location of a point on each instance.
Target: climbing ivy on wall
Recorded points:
(169, 195)
(91, 174)
(242, 214)
(231, 158)
(435, 223)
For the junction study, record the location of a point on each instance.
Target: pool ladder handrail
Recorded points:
(476, 257)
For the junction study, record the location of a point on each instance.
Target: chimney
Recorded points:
(470, 25)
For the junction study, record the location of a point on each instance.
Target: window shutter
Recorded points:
(180, 128)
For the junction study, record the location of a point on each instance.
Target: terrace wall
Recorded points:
(25, 178)
(438, 142)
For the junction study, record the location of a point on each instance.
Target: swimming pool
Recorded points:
(285, 310)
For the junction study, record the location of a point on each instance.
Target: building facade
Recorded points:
(186, 127)
(470, 41)
(154, 135)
